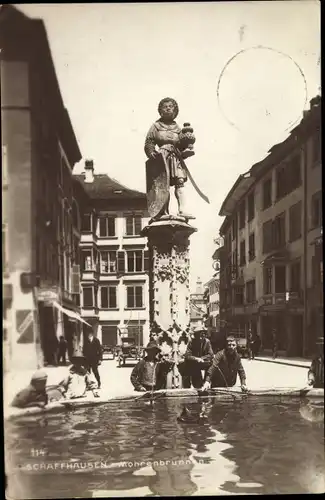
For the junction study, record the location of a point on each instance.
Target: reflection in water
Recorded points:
(243, 446)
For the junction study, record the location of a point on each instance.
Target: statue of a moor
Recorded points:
(166, 166)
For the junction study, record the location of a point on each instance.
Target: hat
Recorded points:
(199, 329)
(152, 345)
(39, 375)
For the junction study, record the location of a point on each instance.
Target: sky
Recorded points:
(241, 72)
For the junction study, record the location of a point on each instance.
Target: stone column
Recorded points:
(169, 294)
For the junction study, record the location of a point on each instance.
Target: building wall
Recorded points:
(33, 196)
(294, 317)
(120, 316)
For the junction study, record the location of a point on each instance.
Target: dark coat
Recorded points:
(93, 351)
(229, 366)
(199, 349)
(316, 372)
(29, 397)
(162, 369)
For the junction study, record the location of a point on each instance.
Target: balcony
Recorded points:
(291, 301)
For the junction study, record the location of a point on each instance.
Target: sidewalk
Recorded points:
(300, 362)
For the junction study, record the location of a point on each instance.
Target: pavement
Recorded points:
(301, 362)
(261, 373)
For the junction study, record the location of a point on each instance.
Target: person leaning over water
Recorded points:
(225, 368)
(150, 373)
(34, 394)
(198, 357)
(316, 370)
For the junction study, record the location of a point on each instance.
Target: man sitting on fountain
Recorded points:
(34, 394)
(225, 368)
(150, 374)
(198, 357)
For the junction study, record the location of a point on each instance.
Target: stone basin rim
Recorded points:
(221, 394)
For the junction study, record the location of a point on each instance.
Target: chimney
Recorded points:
(199, 286)
(89, 171)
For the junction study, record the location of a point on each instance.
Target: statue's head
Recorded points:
(168, 108)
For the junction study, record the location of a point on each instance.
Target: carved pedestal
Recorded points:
(169, 294)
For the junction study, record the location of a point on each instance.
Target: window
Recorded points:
(294, 172)
(250, 291)
(279, 239)
(288, 176)
(86, 224)
(267, 193)
(106, 226)
(234, 265)
(267, 282)
(134, 297)
(108, 262)
(295, 222)
(316, 270)
(242, 253)
(316, 210)
(242, 209)
(267, 236)
(109, 335)
(239, 296)
(251, 206)
(87, 260)
(108, 297)
(281, 182)
(134, 261)
(280, 279)
(251, 246)
(88, 296)
(136, 331)
(295, 277)
(233, 228)
(133, 225)
(316, 147)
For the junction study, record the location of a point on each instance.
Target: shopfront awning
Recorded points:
(71, 314)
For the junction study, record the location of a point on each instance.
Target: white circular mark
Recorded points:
(261, 86)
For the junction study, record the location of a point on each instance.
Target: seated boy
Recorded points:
(150, 374)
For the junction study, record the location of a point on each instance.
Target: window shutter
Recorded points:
(75, 278)
(121, 261)
(129, 225)
(112, 297)
(130, 296)
(146, 260)
(137, 224)
(104, 297)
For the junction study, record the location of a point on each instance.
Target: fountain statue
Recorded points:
(168, 235)
(166, 167)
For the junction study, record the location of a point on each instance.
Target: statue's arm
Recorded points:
(150, 142)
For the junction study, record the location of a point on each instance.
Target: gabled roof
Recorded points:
(104, 187)
(24, 38)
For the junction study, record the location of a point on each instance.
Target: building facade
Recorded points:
(271, 259)
(41, 223)
(198, 306)
(213, 302)
(114, 260)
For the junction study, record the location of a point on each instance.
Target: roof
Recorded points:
(104, 187)
(23, 38)
(242, 184)
(310, 120)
